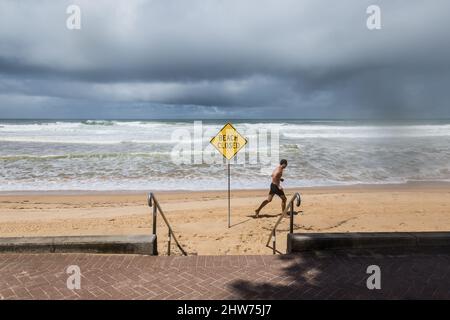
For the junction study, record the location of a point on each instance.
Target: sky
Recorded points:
(200, 59)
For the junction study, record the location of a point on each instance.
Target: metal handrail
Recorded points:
(296, 197)
(156, 207)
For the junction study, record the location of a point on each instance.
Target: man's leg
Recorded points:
(263, 204)
(283, 202)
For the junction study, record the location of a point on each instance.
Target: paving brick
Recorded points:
(326, 275)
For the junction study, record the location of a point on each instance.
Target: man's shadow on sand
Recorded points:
(264, 216)
(259, 217)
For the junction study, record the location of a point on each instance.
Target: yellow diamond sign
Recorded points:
(228, 141)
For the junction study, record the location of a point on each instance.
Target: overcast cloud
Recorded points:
(228, 58)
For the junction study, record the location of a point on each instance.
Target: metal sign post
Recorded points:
(228, 142)
(229, 197)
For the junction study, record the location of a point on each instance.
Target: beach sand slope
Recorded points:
(200, 218)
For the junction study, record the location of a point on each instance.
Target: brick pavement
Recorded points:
(323, 275)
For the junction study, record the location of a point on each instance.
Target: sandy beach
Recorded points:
(200, 218)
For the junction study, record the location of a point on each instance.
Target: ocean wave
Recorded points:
(83, 156)
(363, 131)
(99, 122)
(86, 140)
(161, 129)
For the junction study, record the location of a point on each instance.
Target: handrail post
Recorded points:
(291, 227)
(168, 242)
(274, 242)
(151, 201)
(154, 219)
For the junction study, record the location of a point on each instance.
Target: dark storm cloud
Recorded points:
(225, 58)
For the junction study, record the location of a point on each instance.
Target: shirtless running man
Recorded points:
(275, 187)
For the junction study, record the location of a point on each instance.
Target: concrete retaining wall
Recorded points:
(298, 242)
(136, 244)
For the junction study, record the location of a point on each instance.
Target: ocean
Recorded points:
(40, 155)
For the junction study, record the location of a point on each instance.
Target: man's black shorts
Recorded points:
(275, 190)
